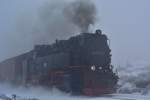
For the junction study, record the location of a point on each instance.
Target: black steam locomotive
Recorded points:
(79, 65)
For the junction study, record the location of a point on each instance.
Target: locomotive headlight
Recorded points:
(100, 68)
(93, 68)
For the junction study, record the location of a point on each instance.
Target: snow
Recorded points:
(7, 90)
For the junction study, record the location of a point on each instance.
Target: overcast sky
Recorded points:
(126, 22)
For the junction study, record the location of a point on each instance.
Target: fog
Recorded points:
(125, 22)
(24, 23)
(29, 22)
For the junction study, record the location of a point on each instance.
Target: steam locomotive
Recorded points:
(80, 65)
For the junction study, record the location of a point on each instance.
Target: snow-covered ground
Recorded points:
(39, 93)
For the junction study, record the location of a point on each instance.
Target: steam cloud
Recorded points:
(81, 13)
(39, 93)
(134, 78)
(59, 19)
(43, 23)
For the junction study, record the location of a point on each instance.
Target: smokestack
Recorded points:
(81, 13)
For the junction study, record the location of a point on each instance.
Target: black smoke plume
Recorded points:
(43, 23)
(82, 13)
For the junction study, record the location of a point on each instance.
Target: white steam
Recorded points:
(47, 23)
(30, 22)
(135, 78)
(39, 93)
(58, 19)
